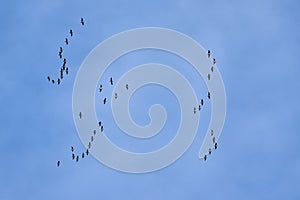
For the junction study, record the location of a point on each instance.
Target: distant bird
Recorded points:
(111, 81)
(208, 76)
(208, 53)
(72, 148)
(73, 156)
(67, 70)
(212, 68)
(214, 61)
(61, 74)
(202, 102)
(101, 128)
(58, 163)
(64, 63)
(195, 110)
(81, 21)
(214, 140)
(199, 108)
(95, 132)
(80, 115)
(208, 95)
(92, 138)
(99, 123)
(211, 132)
(89, 145)
(58, 81)
(71, 32)
(205, 157)
(126, 86)
(116, 95)
(82, 155)
(216, 145)
(67, 41)
(87, 152)
(48, 78)
(77, 158)
(100, 88)
(53, 81)
(60, 55)
(209, 151)
(60, 49)
(104, 100)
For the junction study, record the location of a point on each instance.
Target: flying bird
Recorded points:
(99, 123)
(199, 108)
(73, 156)
(58, 163)
(89, 145)
(116, 95)
(77, 158)
(195, 110)
(82, 155)
(48, 78)
(212, 68)
(100, 88)
(126, 86)
(202, 102)
(208, 53)
(80, 115)
(60, 55)
(81, 21)
(67, 41)
(208, 76)
(92, 138)
(216, 145)
(87, 152)
(58, 81)
(53, 81)
(208, 95)
(67, 70)
(111, 81)
(209, 151)
(104, 100)
(72, 148)
(214, 61)
(95, 132)
(101, 128)
(71, 32)
(205, 157)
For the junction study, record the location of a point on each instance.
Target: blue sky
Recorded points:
(256, 44)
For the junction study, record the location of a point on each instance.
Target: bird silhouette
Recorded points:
(81, 21)
(48, 77)
(104, 100)
(82, 155)
(80, 115)
(214, 61)
(111, 81)
(67, 41)
(212, 68)
(53, 81)
(208, 95)
(87, 152)
(208, 76)
(58, 163)
(73, 156)
(205, 157)
(126, 86)
(208, 53)
(202, 102)
(216, 145)
(116, 95)
(77, 158)
(100, 88)
(58, 81)
(71, 32)
(101, 128)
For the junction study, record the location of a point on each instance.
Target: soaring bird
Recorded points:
(67, 41)
(89, 145)
(95, 132)
(82, 155)
(101, 128)
(111, 81)
(73, 156)
(100, 88)
(209, 151)
(58, 81)
(195, 110)
(216, 145)
(202, 102)
(126, 86)
(208, 76)
(71, 32)
(53, 81)
(208, 53)
(104, 100)
(80, 115)
(81, 21)
(77, 158)
(208, 95)
(205, 157)
(116, 95)
(99, 123)
(87, 152)
(72, 148)
(58, 163)
(214, 61)
(199, 108)
(67, 70)
(212, 68)
(60, 55)
(48, 78)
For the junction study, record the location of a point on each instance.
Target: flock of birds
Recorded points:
(66, 70)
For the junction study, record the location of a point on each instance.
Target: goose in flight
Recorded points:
(202, 102)
(126, 86)
(82, 155)
(208, 95)
(48, 78)
(80, 115)
(100, 88)
(208, 53)
(214, 61)
(81, 21)
(111, 81)
(58, 163)
(116, 95)
(104, 100)
(87, 152)
(77, 158)
(71, 32)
